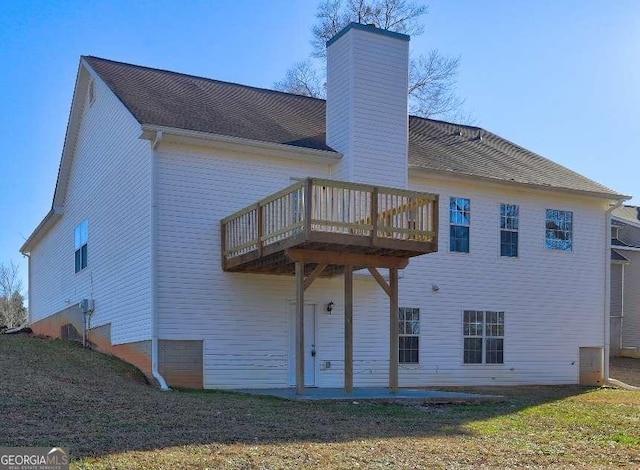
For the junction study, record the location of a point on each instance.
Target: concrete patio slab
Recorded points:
(379, 395)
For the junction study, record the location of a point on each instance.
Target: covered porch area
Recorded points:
(323, 228)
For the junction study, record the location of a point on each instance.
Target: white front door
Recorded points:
(309, 345)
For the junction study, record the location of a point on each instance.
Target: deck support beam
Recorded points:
(348, 329)
(299, 327)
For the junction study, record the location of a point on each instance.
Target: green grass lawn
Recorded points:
(54, 393)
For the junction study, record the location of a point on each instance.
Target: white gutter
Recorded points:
(170, 134)
(625, 248)
(30, 309)
(607, 285)
(154, 322)
(621, 305)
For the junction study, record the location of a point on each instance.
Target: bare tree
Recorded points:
(432, 77)
(395, 15)
(302, 79)
(12, 310)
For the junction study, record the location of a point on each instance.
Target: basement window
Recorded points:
(81, 238)
(408, 335)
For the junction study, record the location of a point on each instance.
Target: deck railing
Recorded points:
(319, 205)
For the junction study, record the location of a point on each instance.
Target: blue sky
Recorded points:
(559, 78)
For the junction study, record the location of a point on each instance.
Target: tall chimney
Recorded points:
(367, 116)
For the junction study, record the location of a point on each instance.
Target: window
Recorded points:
(559, 230)
(459, 218)
(483, 334)
(509, 215)
(81, 237)
(409, 335)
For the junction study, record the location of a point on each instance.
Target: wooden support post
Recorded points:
(299, 327)
(348, 329)
(393, 331)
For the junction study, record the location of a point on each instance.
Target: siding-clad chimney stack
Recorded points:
(367, 117)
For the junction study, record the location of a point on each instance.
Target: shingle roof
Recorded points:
(175, 100)
(615, 256)
(629, 214)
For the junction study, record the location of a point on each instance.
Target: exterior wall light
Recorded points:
(330, 307)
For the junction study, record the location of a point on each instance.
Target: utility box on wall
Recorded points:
(591, 366)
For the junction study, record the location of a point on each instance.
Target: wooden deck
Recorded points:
(332, 223)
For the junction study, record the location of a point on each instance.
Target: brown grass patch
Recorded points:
(53, 392)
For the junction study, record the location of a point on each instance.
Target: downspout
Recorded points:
(154, 322)
(607, 286)
(621, 307)
(29, 310)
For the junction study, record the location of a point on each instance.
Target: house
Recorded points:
(218, 235)
(625, 279)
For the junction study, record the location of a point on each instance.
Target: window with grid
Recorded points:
(559, 230)
(483, 333)
(408, 335)
(509, 220)
(81, 236)
(459, 220)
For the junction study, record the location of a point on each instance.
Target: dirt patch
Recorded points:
(625, 369)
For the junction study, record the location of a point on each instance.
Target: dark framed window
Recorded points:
(559, 230)
(81, 236)
(408, 335)
(483, 336)
(459, 220)
(509, 226)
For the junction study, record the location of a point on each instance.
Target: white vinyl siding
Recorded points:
(367, 76)
(197, 300)
(110, 187)
(631, 322)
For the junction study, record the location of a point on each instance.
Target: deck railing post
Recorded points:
(308, 197)
(435, 222)
(223, 244)
(260, 228)
(374, 215)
